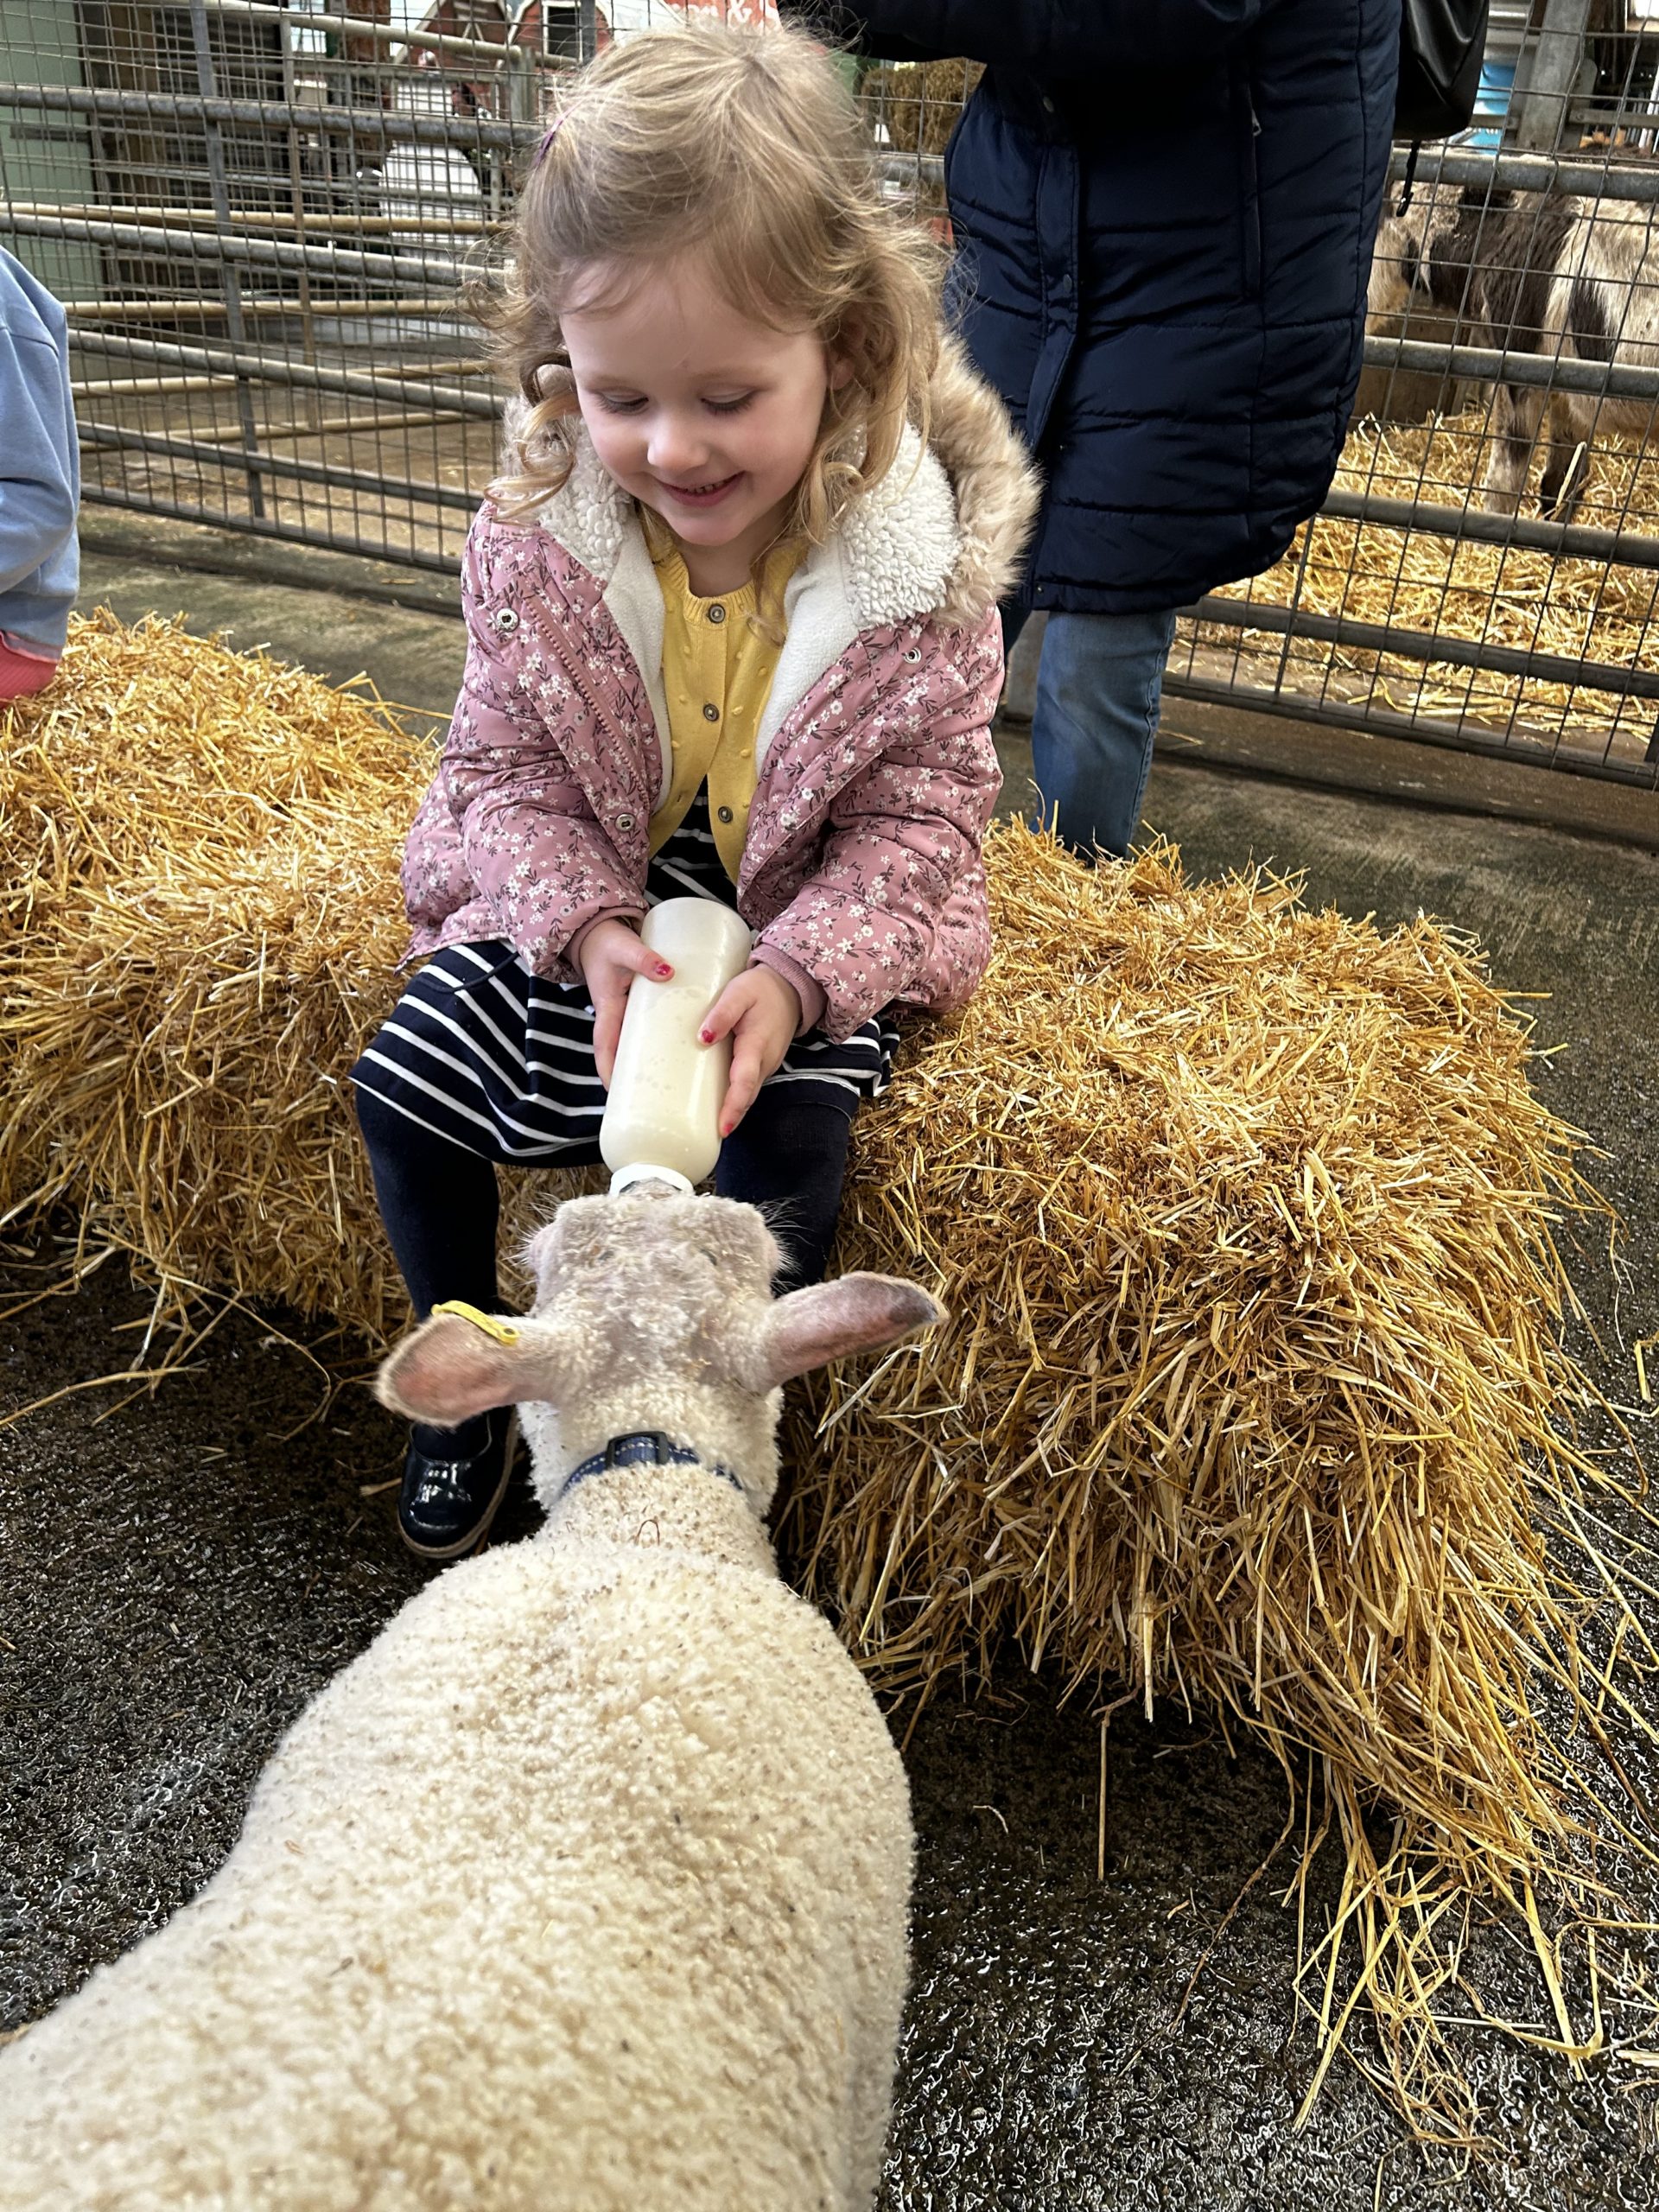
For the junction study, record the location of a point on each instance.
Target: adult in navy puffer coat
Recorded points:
(1164, 211)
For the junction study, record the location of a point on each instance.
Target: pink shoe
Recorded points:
(22, 673)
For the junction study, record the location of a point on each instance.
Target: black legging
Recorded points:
(441, 1205)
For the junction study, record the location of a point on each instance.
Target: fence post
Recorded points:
(524, 86)
(296, 193)
(1539, 110)
(219, 186)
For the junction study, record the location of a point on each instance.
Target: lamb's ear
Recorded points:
(451, 1369)
(857, 1313)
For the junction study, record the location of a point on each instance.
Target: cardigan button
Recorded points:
(711, 713)
(723, 813)
(717, 614)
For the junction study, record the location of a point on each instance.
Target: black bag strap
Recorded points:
(1410, 178)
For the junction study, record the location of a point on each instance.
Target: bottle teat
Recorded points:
(641, 1171)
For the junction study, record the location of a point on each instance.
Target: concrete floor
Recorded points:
(183, 1571)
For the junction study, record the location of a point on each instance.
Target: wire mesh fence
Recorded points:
(1483, 572)
(263, 221)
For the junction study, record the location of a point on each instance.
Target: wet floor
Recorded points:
(182, 1572)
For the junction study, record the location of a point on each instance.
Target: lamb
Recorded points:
(584, 1889)
(1537, 273)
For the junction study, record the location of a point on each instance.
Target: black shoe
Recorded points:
(447, 1505)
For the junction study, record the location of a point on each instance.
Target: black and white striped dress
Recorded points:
(483, 1053)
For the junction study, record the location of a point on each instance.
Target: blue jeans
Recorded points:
(1098, 684)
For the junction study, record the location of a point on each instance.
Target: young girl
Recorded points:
(733, 632)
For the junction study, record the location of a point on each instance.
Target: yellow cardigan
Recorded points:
(717, 672)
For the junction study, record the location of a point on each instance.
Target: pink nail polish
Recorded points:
(663, 970)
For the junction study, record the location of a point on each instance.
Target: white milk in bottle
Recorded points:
(662, 1115)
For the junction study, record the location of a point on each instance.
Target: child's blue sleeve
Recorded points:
(40, 472)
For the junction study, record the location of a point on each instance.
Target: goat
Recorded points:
(1533, 273)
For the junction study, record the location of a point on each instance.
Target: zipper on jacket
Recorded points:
(1249, 190)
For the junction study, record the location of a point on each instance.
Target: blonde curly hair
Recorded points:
(744, 146)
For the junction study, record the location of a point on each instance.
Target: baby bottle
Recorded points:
(662, 1115)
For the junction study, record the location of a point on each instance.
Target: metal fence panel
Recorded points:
(263, 220)
(1484, 573)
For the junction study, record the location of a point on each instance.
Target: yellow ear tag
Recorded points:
(487, 1322)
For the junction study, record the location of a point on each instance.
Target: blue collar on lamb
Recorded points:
(644, 1447)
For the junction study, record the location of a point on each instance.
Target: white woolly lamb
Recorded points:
(584, 1889)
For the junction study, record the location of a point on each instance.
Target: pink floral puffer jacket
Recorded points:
(861, 874)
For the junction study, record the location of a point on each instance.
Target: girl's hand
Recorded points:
(762, 1013)
(610, 956)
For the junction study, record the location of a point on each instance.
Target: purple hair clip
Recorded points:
(547, 136)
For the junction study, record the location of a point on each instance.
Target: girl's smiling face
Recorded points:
(707, 417)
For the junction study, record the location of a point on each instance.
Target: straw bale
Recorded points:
(1252, 1398)
(1244, 1214)
(199, 928)
(179, 974)
(1466, 588)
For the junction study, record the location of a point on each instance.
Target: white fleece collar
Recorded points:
(891, 560)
